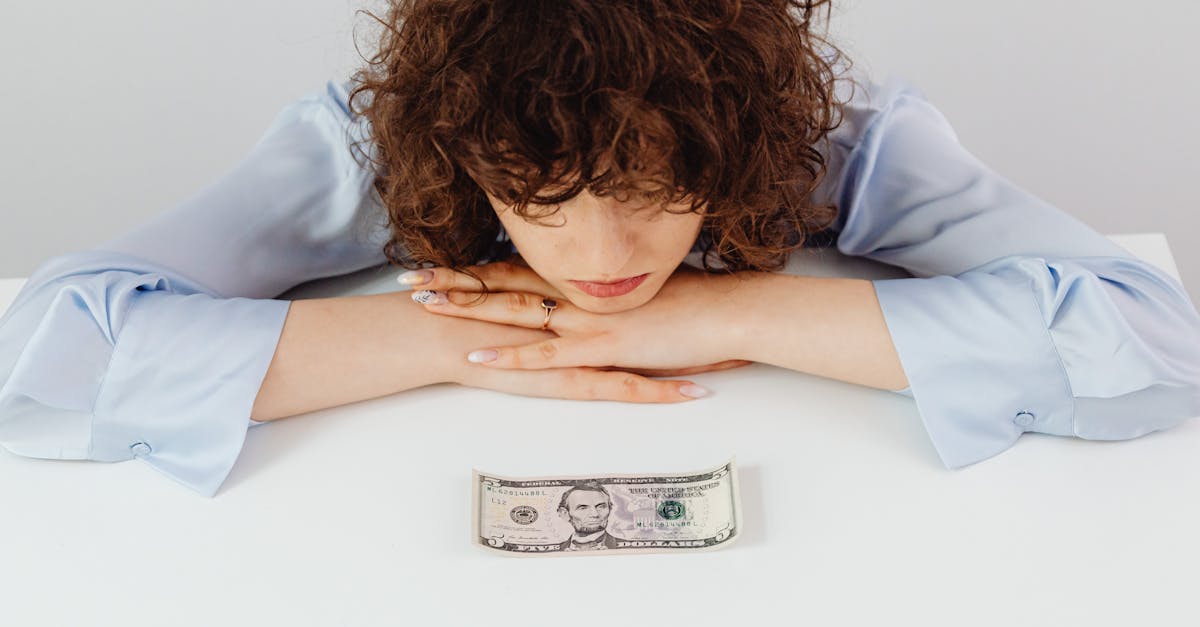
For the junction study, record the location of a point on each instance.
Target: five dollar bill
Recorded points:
(605, 515)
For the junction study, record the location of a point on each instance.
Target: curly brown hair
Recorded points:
(716, 104)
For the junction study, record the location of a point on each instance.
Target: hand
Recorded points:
(461, 335)
(658, 338)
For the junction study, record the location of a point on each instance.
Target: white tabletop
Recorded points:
(358, 515)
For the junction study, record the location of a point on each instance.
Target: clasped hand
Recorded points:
(688, 327)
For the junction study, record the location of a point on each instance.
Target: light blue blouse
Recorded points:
(1018, 317)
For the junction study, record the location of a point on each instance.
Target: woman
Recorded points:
(537, 150)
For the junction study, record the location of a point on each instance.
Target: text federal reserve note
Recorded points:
(601, 515)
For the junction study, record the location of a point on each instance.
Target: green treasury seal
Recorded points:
(670, 510)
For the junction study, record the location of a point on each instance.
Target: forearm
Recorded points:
(334, 351)
(830, 327)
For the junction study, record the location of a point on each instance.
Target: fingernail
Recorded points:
(415, 277)
(693, 390)
(481, 356)
(429, 297)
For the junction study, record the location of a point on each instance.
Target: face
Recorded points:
(599, 239)
(587, 511)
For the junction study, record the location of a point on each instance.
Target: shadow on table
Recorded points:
(754, 529)
(270, 444)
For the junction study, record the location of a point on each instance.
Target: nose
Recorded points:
(607, 240)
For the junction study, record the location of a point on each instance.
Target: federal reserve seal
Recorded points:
(670, 510)
(523, 515)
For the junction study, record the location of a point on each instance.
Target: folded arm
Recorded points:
(154, 344)
(1018, 317)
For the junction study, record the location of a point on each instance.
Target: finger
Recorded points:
(520, 309)
(500, 276)
(584, 384)
(722, 365)
(558, 352)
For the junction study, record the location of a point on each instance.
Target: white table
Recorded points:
(358, 515)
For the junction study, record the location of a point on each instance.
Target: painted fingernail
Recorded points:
(481, 356)
(692, 390)
(415, 277)
(429, 297)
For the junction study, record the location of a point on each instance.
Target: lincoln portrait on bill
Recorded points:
(587, 507)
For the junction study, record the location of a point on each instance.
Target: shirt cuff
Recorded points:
(184, 375)
(980, 362)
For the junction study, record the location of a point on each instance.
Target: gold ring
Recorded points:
(549, 304)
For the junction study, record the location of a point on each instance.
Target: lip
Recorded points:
(608, 290)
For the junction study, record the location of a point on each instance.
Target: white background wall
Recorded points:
(113, 111)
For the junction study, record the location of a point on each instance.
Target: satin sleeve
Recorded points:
(153, 345)
(1017, 316)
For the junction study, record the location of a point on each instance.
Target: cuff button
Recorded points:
(1024, 418)
(140, 448)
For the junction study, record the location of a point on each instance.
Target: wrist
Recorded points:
(415, 344)
(443, 346)
(739, 324)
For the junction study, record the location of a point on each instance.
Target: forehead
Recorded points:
(585, 497)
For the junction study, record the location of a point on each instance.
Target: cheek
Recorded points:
(543, 255)
(674, 238)
(538, 247)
